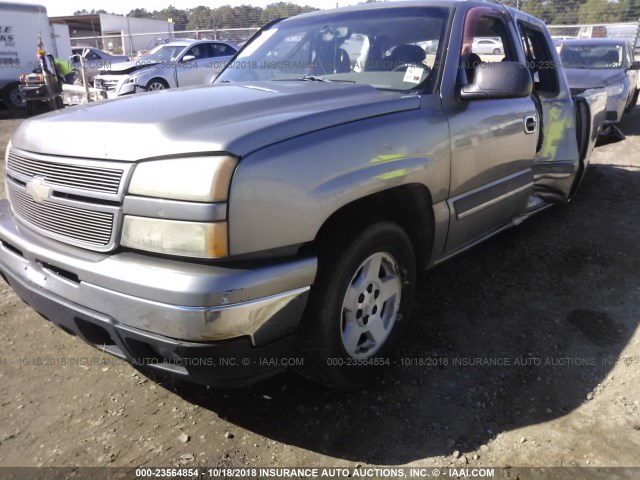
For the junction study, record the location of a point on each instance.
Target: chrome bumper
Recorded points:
(175, 299)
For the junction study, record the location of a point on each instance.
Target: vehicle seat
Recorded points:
(470, 66)
(330, 61)
(404, 55)
(610, 58)
(571, 57)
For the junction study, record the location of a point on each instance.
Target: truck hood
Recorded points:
(595, 78)
(122, 68)
(233, 118)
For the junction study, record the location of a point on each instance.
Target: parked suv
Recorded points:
(176, 64)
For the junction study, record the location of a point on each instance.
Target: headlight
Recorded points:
(616, 89)
(190, 239)
(196, 179)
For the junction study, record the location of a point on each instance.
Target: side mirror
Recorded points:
(634, 66)
(498, 80)
(74, 58)
(188, 58)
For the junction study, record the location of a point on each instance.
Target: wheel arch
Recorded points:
(159, 80)
(410, 206)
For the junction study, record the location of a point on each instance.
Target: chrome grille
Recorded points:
(111, 85)
(82, 177)
(106, 84)
(74, 224)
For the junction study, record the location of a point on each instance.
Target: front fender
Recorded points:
(144, 77)
(282, 195)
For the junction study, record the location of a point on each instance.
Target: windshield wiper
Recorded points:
(311, 78)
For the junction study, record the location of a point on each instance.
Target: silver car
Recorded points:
(176, 64)
(603, 63)
(487, 46)
(94, 60)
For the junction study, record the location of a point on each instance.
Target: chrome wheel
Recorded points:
(370, 306)
(156, 86)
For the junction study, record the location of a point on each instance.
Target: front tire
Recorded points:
(360, 306)
(12, 97)
(157, 84)
(634, 101)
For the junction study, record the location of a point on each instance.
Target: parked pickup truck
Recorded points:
(278, 218)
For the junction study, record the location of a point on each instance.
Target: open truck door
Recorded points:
(560, 161)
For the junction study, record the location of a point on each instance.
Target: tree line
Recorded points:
(571, 12)
(206, 18)
(553, 12)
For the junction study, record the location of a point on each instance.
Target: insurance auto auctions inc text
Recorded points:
(360, 472)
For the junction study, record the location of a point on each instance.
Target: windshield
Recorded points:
(390, 48)
(163, 53)
(592, 56)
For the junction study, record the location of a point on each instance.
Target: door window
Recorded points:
(198, 51)
(486, 39)
(92, 56)
(539, 59)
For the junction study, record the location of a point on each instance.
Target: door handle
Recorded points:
(530, 124)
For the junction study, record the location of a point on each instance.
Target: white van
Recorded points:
(20, 25)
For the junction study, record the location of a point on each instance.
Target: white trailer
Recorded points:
(20, 25)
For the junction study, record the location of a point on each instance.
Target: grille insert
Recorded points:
(72, 223)
(82, 177)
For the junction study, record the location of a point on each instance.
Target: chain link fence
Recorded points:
(625, 31)
(138, 44)
(135, 45)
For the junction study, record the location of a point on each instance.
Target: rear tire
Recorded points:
(359, 307)
(496, 51)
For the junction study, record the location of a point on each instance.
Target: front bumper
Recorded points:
(115, 85)
(136, 306)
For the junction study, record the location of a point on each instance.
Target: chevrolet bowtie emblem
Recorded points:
(38, 190)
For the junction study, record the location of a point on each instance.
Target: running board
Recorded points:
(534, 205)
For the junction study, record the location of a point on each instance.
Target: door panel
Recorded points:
(493, 141)
(195, 71)
(491, 159)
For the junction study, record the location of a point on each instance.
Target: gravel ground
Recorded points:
(525, 351)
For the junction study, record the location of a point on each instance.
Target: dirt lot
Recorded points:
(556, 301)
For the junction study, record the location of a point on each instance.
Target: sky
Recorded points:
(57, 8)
